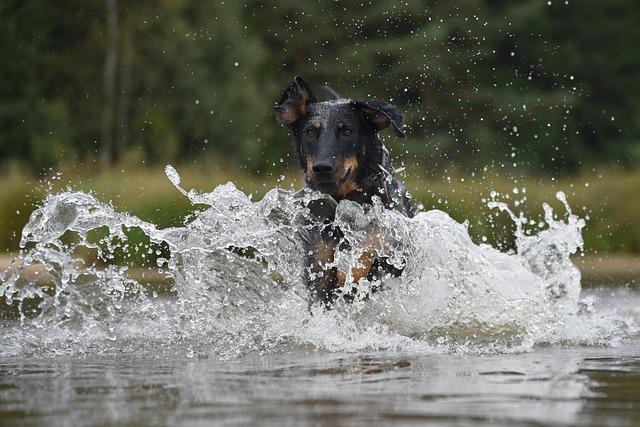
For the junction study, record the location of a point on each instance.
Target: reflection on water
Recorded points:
(615, 383)
(583, 386)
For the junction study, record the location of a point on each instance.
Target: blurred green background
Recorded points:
(499, 95)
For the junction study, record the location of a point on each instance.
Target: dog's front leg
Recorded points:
(322, 280)
(321, 244)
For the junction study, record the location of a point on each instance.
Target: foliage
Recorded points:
(550, 86)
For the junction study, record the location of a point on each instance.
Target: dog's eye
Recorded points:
(311, 133)
(347, 132)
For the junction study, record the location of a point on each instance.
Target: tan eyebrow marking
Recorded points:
(340, 125)
(316, 124)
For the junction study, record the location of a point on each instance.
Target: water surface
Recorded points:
(576, 386)
(467, 335)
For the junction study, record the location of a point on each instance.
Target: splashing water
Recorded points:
(238, 283)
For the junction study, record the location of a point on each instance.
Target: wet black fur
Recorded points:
(329, 146)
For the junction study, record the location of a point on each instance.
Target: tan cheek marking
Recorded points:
(310, 166)
(350, 163)
(347, 188)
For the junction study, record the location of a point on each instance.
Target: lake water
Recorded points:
(468, 335)
(549, 385)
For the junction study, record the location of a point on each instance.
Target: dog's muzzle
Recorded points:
(328, 183)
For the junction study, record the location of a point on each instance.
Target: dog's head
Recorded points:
(336, 140)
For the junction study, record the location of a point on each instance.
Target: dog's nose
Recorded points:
(322, 168)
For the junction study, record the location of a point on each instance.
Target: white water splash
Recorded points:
(238, 283)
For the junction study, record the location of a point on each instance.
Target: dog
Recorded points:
(337, 146)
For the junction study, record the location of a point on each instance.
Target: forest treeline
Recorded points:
(545, 85)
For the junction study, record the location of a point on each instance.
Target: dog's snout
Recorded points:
(322, 168)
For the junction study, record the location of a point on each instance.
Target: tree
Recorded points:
(481, 82)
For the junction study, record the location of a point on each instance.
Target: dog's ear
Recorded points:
(381, 115)
(294, 102)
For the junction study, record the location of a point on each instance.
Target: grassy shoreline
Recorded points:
(604, 197)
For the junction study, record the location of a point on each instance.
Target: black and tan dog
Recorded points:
(337, 145)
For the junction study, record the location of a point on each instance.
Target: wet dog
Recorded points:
(337, 146)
